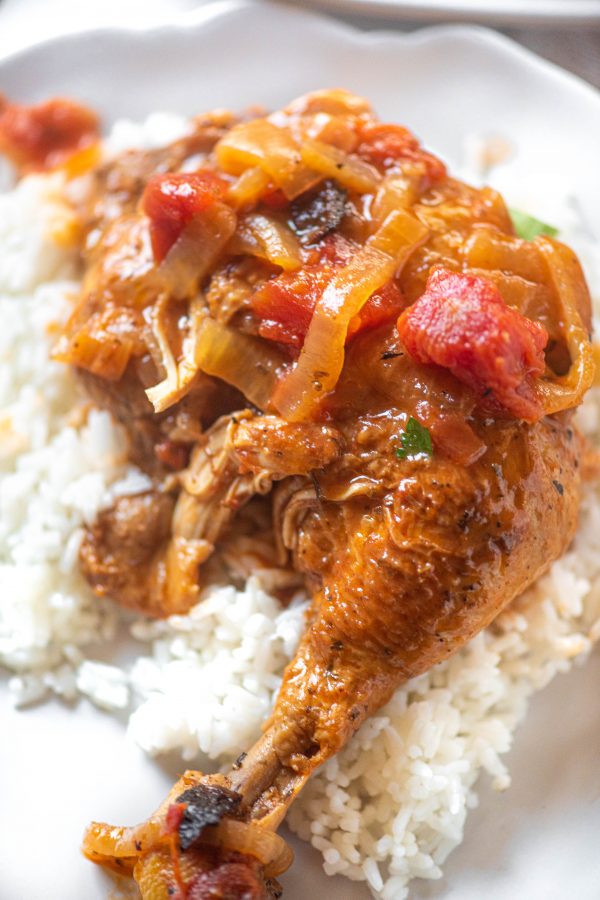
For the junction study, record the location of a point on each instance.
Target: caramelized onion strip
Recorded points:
(249, 187)
(102, 843)
(322, 358)
(196, 251)
(395, 192)
(246, 362)
(179, 375)
(567, 391)
(261, 143)
(254, 840)
(265, 236)
(349, 171)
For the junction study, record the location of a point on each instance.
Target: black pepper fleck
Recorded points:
(238, 763)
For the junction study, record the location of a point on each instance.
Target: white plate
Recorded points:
(60, 767)
(507, 12)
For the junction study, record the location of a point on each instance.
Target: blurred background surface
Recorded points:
(572, 40)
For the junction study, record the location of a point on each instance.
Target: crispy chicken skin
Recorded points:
(306, 312)
(412, 569)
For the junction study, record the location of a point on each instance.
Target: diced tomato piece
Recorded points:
(462, 323)
(385, 145)
(44, 136)
(234, 877)
(336, 249)
(286, 303)
(275, 199)
(174, 816)
(381, 307)
(172, 200)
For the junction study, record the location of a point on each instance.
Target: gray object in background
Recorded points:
(567, 32)
(491, 12)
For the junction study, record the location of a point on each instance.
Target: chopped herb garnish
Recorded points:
(528, 227)
(415, 442)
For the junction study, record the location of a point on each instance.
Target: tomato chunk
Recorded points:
(275, 199)
(286, 303)
(172, 200)
(236, 876)
(462, 323)
(42, 137)
(174, 816)
(386, 145)
(381, 307)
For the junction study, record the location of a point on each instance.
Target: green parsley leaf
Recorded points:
(528, 227)
(415, 442)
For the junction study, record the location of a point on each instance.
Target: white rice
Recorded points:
(393, 804)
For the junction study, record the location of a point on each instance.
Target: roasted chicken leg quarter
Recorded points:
(303, 313)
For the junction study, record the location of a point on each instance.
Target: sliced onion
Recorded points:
(262, 235)
(330, 116)
(322, 357)
(169, 384)
(261, 143)
(179, 376)
(334, 101)
(529, 298)
(248, 363)
(121, 865)
(567, 391)
(399, 235)
(337, 131)
(349, 171)
(252, 839)
(116, 842)
(119, 848)
(197, 249)
(396, 192)
(488, 248)
(249, 187)
(187, 263)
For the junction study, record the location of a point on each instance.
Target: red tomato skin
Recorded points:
(285, 304)
(172, 200)
(385, 145)
(462, 323)
(37, 138)
(174, 816)
(275, 199)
